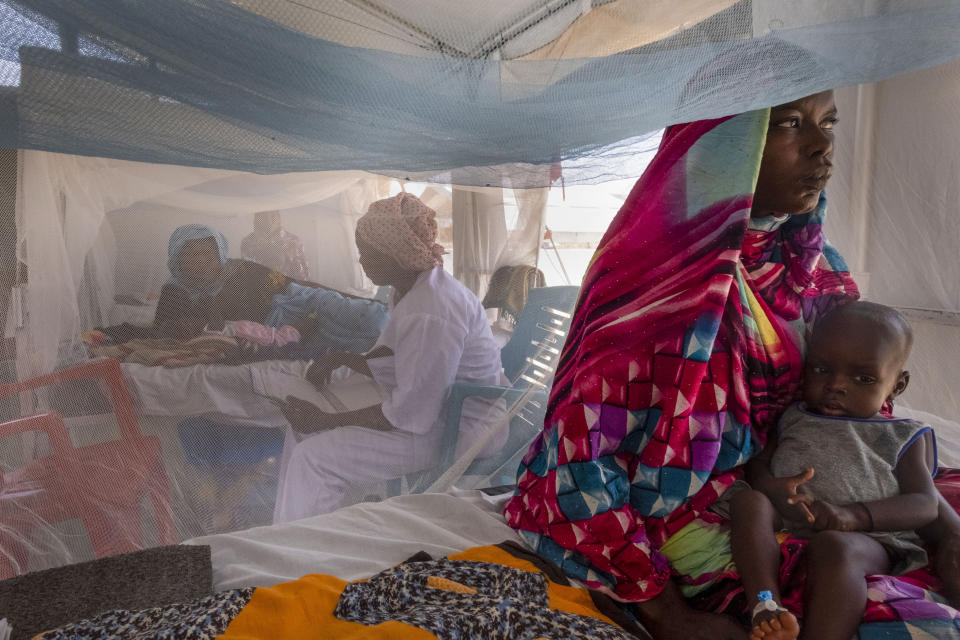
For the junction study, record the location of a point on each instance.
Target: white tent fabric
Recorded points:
(486, 236)
(66, 198)
(895, 208)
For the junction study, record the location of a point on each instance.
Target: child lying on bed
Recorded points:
(854, 482)
(189, 327)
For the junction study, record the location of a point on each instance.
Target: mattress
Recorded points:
(358, 541)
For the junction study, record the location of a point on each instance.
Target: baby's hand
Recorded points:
(783, 492)
(824, 516)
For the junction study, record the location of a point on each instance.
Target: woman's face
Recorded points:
(199, 262)
(798, 156)
(379, 267)
(266, 222)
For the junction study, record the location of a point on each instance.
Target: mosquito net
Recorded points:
(264, 259)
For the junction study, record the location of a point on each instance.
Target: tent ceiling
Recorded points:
(506, 29)
(473, 29)
(626, 24)
(426, 88)
(430, 27)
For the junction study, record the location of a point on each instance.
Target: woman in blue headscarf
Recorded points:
(206, 288)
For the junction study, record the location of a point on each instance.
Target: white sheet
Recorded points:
(235, 394)
(141, 314)
(357, 541)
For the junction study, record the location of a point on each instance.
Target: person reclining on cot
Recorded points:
(206, 288)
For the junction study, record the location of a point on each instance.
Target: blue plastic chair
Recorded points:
(232, 459)
(529, 360)
(212, 445)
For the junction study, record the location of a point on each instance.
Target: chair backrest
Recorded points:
(49, 423)
(526, 423)
(108, 371)
(531, 355)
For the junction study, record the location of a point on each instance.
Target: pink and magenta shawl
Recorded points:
(684, 349)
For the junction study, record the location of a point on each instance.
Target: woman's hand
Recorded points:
(306, 417)
(320, 371)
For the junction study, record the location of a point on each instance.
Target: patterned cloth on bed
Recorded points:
(204, 349)
(200, 619)
(487, 593)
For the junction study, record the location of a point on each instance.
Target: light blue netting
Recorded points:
(208, 83)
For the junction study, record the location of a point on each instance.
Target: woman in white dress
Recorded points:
(437, 334)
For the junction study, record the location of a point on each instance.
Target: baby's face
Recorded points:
(852, 368)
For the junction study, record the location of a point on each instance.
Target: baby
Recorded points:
(188, 326)
(261, 334)
(854, 482)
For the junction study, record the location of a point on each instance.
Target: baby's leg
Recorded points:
(948, 568)
(756, 553)
(944, 534)
(836, 589)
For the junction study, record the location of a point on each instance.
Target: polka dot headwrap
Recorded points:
(403, 228)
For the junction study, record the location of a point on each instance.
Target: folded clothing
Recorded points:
(341, 323)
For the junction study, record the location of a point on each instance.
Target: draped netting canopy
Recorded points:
(271, 126)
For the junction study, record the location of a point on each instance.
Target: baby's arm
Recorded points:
(917, 503)
(914, 507)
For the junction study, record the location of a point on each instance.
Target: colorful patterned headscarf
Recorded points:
(403, 228)
(181, 236)
(685, 347)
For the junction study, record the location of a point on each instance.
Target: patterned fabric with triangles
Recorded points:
(684, 349)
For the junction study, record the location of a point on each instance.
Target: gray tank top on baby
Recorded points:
(855, 460)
